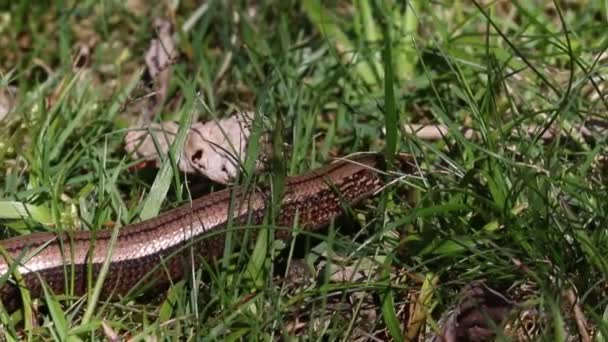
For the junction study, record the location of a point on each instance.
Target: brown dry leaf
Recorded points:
(351, 272)
(137, 7)
(298, 273)
(215, 149)
(162, 51)
(7, 100)
(161, 54)
(477, 316)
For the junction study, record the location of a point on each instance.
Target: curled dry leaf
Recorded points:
(353, 271)
(161, 54)
(479, 314)
(298, 273)
(7, 100)
(215, 149)
(162, 51)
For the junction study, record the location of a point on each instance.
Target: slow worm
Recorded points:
(159, 247)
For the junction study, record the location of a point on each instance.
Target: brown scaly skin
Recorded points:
(158, 249)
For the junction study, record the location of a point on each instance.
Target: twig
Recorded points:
(579, 316)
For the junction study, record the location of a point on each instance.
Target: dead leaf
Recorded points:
(354, 271)
(137, 7)
(215, 149)
(479, 314)
(8, 97)
(161, 54)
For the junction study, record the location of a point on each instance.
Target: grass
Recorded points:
(331, 78)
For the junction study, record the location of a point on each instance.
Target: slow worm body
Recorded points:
(158, 248)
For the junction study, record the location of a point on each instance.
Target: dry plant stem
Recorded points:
(579, 316)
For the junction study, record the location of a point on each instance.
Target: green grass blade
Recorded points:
(390, 110)
(163, 179)
(94, 297)
(423, 305)
(13, 210)
(406, 29)
(389, 315)
(57, 314)
(118, 102)
(328, 25)
(256, 267)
